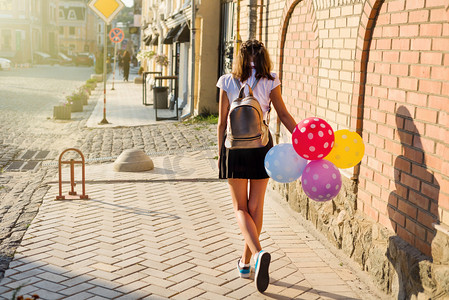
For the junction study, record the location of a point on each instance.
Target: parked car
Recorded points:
(83, 59)
(42, 58)
(64, 59)
(5, 64)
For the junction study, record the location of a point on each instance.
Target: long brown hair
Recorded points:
(255, 50)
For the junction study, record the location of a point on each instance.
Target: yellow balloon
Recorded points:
(348, 149)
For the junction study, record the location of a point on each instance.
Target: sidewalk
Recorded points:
(165, 233)
(124, 105)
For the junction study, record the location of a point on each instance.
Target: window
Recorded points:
(61, 14)
(99, 28)
(72, 30)
(61, 30)
(5, 39)
(6, 5)
(226, 37)
(71, 15)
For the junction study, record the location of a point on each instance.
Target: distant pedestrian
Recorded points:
(120, 62)
(245, 167)
(126, 59)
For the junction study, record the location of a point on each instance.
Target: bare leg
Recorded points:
(239, 194)
(256, 199)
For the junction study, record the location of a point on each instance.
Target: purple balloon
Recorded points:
(321, 180)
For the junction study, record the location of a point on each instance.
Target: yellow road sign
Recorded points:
(106, 9)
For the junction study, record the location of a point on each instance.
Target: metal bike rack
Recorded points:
(72, 194)
(175, 78)
(144, 87)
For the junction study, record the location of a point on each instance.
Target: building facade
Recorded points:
(166, 29)
(79, 28)
(27, 26)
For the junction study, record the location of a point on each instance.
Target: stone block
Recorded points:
(441, 275)
(440, 245)
(133, 160)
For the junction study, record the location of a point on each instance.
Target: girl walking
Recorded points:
(244, 168)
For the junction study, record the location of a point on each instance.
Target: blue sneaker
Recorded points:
(261, 277)
(245, 271)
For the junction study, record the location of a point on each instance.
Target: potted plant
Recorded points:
(63, 111)
(145, 55)
(76, 102)
(161, 59)
(90, 85)
(84, 95)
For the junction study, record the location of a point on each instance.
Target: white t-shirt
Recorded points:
(261, 92)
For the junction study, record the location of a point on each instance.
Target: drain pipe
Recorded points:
(193, 58)
(239, 39)
(261, 21)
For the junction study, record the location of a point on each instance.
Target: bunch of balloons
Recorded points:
(315, 155)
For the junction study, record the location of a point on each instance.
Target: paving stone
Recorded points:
(104, 292)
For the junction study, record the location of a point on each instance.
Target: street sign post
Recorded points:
(116, 35)
(106, 10)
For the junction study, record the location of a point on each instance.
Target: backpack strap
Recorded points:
(255, 83)
(242, 88)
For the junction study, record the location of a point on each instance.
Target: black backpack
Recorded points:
(246, 128)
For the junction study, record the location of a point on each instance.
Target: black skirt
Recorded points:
(244, 163)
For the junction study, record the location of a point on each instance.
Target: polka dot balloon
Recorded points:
(321, 180)
(348, 149)
(313, 138)
(283, 164)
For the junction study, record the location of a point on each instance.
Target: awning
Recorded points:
(171, 34)
(147, 39)
(154, 41)
(42, 54)
(183, 35)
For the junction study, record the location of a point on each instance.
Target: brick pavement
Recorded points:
(166, 233)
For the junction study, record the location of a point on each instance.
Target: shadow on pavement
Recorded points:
(128, 209)
(319, 293)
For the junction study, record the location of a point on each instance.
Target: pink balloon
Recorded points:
(313, 138)
(321, 180)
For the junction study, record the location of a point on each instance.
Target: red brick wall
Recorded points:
(403, 176)
(299, 69)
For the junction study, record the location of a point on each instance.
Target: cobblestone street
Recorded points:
(27, 100)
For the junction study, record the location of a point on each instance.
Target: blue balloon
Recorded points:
(283, 163)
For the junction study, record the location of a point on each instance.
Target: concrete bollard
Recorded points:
(133, 160)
